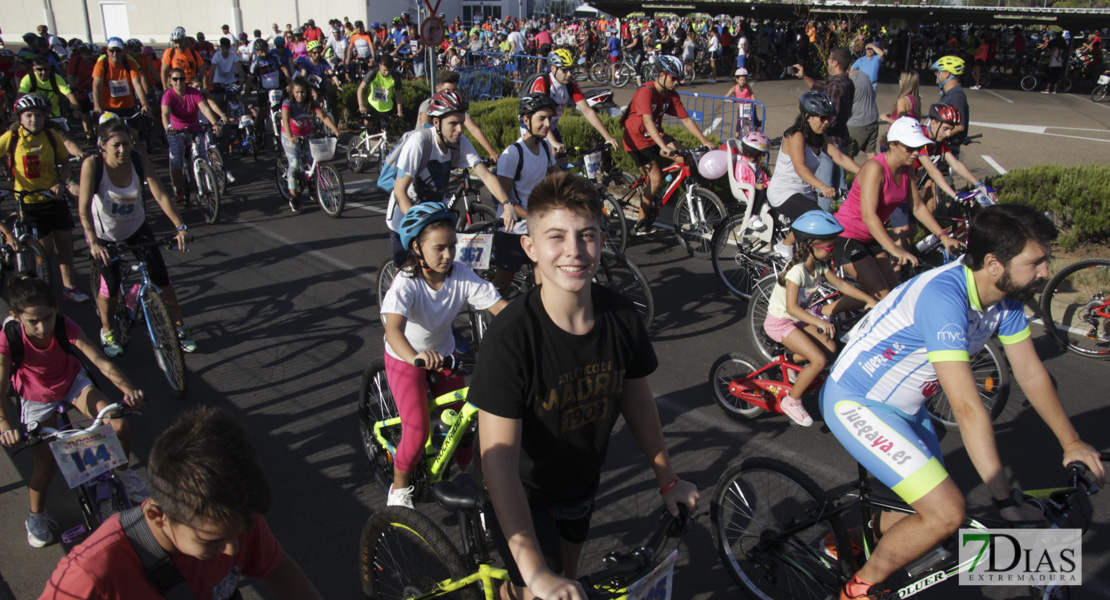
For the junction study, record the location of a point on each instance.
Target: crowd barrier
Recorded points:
(483, 82)
(721, 116)
(517, 67)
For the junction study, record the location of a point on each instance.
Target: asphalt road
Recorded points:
(285, 318)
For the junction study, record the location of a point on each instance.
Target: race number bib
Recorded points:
(122, 207)
(380, 95)
(657, 584)
(118, 88)
(473, 250)
(88, 454)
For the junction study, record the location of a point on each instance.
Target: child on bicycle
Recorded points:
(424, 299)
(49, 374)
(742, 91)
(296, 127)
(753, 147)
(805, 330)
(557, 369)
(208, 495)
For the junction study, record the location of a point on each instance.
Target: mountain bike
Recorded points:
(770, 522)
(199, 175)
(1099, 93)
(377, 140)
(31, 255)
(405, 555)
(141, 301)
(600, 159)
(320, 180)
(1075, 306)
(87, 458)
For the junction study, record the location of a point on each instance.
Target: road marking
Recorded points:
(994, 163)
(999, 96)
(1043, 130)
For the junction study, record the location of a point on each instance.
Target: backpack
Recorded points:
(98, 165)
(53, 83)
(387, 180)
(14, 139)
(13, 330)
(520, 162)
(200, 61)
(526, 87)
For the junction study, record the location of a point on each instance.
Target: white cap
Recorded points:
(907, 131)
(740, 72)
(115, 43)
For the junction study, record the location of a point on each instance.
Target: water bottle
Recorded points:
(132, 297)
(931, 559)
(669, 177)
(927, 243)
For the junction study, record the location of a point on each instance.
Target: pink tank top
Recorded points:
(893, 193)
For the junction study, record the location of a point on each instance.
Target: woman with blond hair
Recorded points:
(909, 98)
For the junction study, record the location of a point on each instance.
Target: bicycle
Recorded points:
(406, 555)
(1075, 307)
(613, 221)
(373, 146)
(770, 522)
(242, 135)
(32, 255)
(200, 175)
(1099, 93)
(321, 180)
(87, 458)
(142, 302)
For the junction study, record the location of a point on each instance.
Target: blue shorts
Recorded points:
(741, 61)
(899, 449)
(901, 215)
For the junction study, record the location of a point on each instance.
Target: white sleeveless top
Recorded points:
(786, 181)
(118, 212)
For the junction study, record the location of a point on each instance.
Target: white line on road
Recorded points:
(994, 163)
(999, 96)
(1043, 130)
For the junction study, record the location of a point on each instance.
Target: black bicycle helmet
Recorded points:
(260, 44)
(817, 104)
(134, 44)
(670, 65)
(530, 103)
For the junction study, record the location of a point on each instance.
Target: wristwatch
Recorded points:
(1015, 500)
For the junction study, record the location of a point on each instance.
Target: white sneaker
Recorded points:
(135, 486)
(786, 252)
(230, 178)
(38, 529)
(793, 408)
(401, 497)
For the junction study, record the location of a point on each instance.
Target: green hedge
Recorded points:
(1077, 198)
(344, 101)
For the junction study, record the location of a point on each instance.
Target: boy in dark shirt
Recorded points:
(559, 366)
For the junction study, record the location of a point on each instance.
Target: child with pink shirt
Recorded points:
(745, 111)
(753, 148)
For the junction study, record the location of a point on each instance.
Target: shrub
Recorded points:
(344, 101)
(1076, 197)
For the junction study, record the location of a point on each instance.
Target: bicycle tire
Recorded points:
(281, 166)
(621, 276)
(992, 378)
(757, 315)
(614, 223)
(1068, 305)
(1099, 93)
(404, 554)
(386, 272)
(476, 217)
(383, 151)
(375, 404)
(356, 156)
(600, 72)
(985, 79)
(208, 192)
(727, 368)
(254, 148)
(329, 191)
(219, 168)
(755, 500)
(694, 225)
(733, 262)
(1029, 83)
(163, 339)
(33, 258)
(623, 75)
(1064, 85)
(622, 186)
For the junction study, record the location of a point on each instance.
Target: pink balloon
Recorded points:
(713, 164)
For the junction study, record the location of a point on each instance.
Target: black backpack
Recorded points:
(53, 83)
(13, 330)
(526, 87)
(15, 140)
(98, 166)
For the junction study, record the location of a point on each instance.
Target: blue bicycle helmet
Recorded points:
(279, 42)
(816, 224)
(420, 216)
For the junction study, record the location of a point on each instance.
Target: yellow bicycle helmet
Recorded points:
(561, 58)
(952, 64)
(309, 47)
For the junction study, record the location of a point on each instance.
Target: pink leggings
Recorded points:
(409, 385)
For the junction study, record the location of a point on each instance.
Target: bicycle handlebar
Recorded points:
(971, 139)
(168, 241)
(456, 365)
(636, 562)
(35, 433)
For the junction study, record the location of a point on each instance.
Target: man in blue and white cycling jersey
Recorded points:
(918, 341)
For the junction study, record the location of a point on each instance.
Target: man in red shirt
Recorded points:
(312, 33)
(643, 135)
(79, 77)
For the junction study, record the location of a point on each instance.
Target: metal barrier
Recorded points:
(517, 67)
(483, 82)
(721, 116)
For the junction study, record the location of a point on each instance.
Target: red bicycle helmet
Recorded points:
(447, 102)
(945, 113)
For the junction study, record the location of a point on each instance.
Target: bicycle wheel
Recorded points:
(695, 217)
(623, 75)
(208, 192)
(752, 505)
(1064, 85)
(1099, 93)
(281, 166)
(623, 277)
(163, 337)
(404, 555)
(329, 190)
(216, 161)
(1071, 303)
(386, 271)
(599, 72)
(616, 228)
(992, 377)
(622, 186)
(356, 155)
(375, 404)
(477, 216)
(735, 262)
(1029, 83)
(724, 371)
(379, 157)
(985, 79)
(33, 258)
(757, 314)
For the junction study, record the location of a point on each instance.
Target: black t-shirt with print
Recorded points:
(566, 389)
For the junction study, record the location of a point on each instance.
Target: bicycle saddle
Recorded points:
(458, 494)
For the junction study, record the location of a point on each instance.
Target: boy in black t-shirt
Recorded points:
(558, 367)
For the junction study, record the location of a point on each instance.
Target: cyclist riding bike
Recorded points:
(268, 72)
(447, 79)
(918, 341)
(181, 106)
(35, 150)
(79, 73)
(116, 82)
(181, 56)
(134, 48)
(42, 81)
(361, 46)
(643, 131)
(379, 93)
(314, 65)
(296, 128)
(560, 85)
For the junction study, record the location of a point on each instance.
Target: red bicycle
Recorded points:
(744, 389)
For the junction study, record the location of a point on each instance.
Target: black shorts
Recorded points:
(508, 254)
(551, 525)
(848, 251)
(648, 155)
(84, 101)
(796, 206)
(980, 62)
(48, 217)
(156, 267)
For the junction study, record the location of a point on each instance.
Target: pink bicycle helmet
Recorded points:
(756, 142)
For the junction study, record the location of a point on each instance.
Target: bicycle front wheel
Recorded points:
(734, 261)
(329, 191)
(281, 167)
(386, 272)
(1099, 93)
(356, 156)
(1029, 83)
(405, 555)
(623, 277)
(753, 507)
(695, 218)
(599, 72)
(725, 370)
(992, 378)
(616, 228)
(477, 215)
(163, 336)
(757, 315)
(1071, 305)
(208, 192)
(375, 404)
(216, 161)
(33, 258)
(623, 76)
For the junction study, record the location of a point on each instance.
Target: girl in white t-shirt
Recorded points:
(806, 331)
(427, 294)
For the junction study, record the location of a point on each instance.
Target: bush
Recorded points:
(344, 101)
(1076, 197)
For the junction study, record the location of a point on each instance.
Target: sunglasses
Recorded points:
(111, 50)
(825, 248)
(177, 79)
(37, 70)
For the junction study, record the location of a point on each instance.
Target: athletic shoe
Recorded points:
(72, 294)
(401, 497)
(643, 227)
(135, 486)
(830, 548)
(786, 252)
(976, 87)
(1046, 92)
(108, 341)
(1053, 91)
(793, 408)
(295, 206)
(180, 196)
(712, 81)
(186, 338)
(38, 529)
(230, 178)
